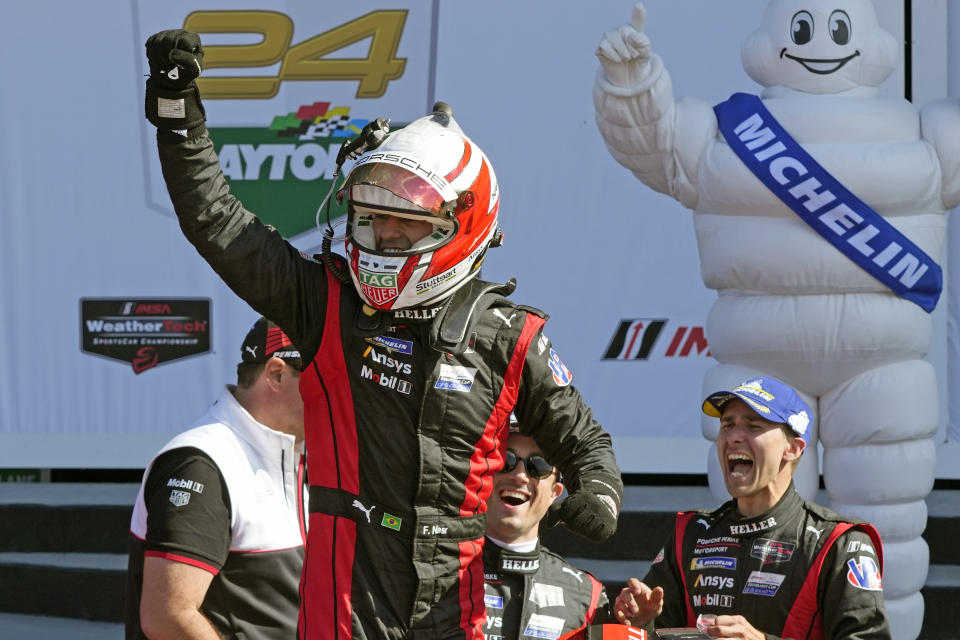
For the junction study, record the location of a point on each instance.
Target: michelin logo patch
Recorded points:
(393, 344)
(454, 378)
(715, 562)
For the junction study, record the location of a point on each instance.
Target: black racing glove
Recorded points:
(592, 509)
(173, 100)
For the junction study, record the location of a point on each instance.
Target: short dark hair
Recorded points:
(248, 372)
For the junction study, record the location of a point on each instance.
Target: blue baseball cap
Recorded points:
(772, 399)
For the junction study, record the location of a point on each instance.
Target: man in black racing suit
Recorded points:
(411, 373)
(767, 564)
(531, 591)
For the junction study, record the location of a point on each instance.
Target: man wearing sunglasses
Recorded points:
(412, 363)
(531, 591)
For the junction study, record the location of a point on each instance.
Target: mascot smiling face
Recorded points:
(820, 46)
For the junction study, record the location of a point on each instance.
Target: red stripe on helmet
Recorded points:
(464, 161)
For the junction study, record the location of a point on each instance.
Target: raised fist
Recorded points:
(175, 58)
(624, 52)
(172, 100)
(591, 510)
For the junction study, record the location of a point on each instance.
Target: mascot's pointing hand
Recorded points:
(624, 52)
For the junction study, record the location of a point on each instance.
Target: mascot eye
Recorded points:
(801, 27)
(840, 27)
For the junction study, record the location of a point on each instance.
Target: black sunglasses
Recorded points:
(536, 465)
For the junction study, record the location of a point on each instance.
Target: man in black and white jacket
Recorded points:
(218, 528)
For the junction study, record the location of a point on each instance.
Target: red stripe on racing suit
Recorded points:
(331, 427)
(487, 458)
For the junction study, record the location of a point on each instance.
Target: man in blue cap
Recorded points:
(767, 564)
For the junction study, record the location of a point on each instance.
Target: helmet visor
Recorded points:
(363, 222)
(428, 192)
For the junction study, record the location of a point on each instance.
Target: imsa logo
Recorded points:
(637, 338)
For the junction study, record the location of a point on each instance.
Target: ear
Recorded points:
(273, 371)
(557, 489)
(795, 448)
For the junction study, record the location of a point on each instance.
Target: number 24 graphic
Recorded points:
(303, 61)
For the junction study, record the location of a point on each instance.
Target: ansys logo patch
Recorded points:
(283, 171)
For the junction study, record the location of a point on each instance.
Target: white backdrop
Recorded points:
(86, 216)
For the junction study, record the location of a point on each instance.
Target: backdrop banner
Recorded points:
(118, 334)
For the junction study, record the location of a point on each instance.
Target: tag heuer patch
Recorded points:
(179, 498)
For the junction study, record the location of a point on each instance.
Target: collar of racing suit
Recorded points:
(777, 515)
(451, 322)
(507, 561)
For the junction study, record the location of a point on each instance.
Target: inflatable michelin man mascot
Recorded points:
(820, 214)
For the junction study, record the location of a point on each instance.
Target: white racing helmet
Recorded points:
(428, 170)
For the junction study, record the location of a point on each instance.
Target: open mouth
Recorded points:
(820, 66)
(513, 498)
(739, 465)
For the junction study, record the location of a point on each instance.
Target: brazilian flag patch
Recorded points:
(391, 521)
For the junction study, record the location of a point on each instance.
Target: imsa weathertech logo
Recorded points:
(772, 551)
(144, 333)
(638, 338)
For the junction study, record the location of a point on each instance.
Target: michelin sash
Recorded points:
(845, 221)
